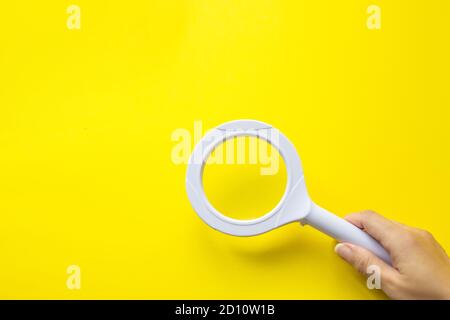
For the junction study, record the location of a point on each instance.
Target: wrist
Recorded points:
(445, 295)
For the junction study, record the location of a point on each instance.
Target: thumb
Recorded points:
(363, 260)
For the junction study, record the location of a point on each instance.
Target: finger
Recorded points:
(380, 228)
(364, 261)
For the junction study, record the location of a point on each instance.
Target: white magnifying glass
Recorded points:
(294, 206)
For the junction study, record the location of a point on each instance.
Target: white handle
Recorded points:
(343, 230)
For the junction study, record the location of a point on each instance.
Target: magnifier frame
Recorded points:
(294, 204)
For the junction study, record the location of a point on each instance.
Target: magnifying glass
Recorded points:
(294, 206)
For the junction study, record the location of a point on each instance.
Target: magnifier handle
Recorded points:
(344, 231)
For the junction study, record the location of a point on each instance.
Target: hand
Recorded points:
(420, 267)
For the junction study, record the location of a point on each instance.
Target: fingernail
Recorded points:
(343, 250)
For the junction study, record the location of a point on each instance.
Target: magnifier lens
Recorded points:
(244, 178)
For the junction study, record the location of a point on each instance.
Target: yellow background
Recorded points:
(240, 182)
(86, 118)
